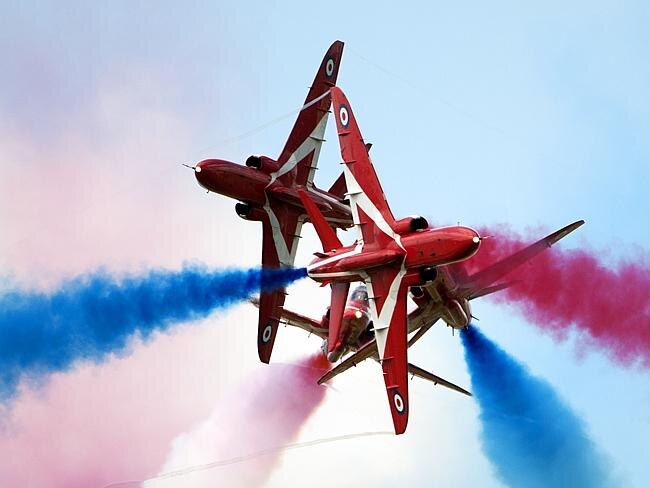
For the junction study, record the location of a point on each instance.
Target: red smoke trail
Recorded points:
(262, 414)
(278, 409)
(559, 288)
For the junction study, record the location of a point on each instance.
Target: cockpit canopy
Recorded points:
(360, 293)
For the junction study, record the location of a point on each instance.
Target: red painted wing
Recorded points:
(300, 153)
(280, 229)
(394, 361)
(387, 293)
(270, 312)
(299, 158)
(370, 209)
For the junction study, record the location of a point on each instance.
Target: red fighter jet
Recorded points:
(448, 298)
(355, 330)
(389, 257)
(267, 190)
(356, 333)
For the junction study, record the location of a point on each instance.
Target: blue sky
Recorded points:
(499, 113)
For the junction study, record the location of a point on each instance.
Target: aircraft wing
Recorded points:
(387, 296)
(479, 283)
(367, 200)
(298, 160)
(299, 157)
(280, 233)
(386, 285)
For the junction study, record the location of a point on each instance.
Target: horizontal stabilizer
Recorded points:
(425, 375)
(365, 352)
(339, 187)
(369, 350)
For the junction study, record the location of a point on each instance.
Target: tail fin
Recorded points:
(326, 234)
(339, 188)
(436, 380)
(299, 157)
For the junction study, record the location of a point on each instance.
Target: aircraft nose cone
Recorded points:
(201, 170)
(468, 241)
(208, 173)
(474, 240)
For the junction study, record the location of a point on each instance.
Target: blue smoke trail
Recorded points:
(529, 435)
(88, 317)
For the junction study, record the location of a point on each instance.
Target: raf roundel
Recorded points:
(343, 116)
(329, 67)
(266, 333)
(398, 401)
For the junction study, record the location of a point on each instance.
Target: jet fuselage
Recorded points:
(254, 186)
(450, 304)
(354, 331)
(420, 249)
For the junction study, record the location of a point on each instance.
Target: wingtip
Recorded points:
(563, 232)
(325, 378)
(336, 91)
(264, 358)
(400, 427)
(576, 224)
(335, 51)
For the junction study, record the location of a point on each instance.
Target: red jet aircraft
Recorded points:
(390, 256)
(356, 333)
(267, 190)
(446, 298)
